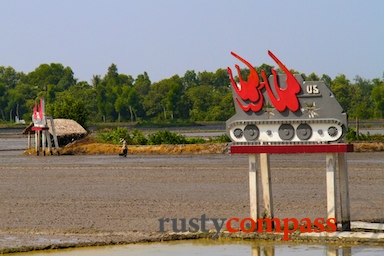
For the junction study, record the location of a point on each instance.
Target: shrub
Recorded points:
(139, 138)
(114, 135)
(352, 136)
(166, 137)
(196, 140)
(221, 139)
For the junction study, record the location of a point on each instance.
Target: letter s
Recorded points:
(319, 225)
(194, 224)
(315, 89)
(331, 225)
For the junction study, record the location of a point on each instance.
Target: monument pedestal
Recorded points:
(335, 153)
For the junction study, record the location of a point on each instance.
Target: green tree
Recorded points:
(190, 79)
(221, 79)
(312, 77)
(173, 95)
(112, 77)
(50, 79)
(9, 77)
(15, 94)
(121, 103)
(361, 100)
(223, 110)
(359, 105)
(96, 80)
(267, 69)
(54, 74)
(134, 104)
(9, 97)
(365, 85)
(69, 107)
(378, 98)
(142, 84)
(162, 99)
(201, 98)
(327, 79)
(108, 90)
(126, 80)
(101, 100)
(15, 99)
(340, 87)
(86, 93)
(3, 100)
(206, 78)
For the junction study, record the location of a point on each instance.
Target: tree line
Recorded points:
(114, 97)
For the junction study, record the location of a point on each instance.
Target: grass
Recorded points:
(90, 146)
(368, 146)
(13, 125)
(136, 137)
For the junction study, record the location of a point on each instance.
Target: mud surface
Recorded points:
(89, 199)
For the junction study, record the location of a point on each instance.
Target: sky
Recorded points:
(169, 37)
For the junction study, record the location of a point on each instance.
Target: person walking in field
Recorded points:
(124, 148)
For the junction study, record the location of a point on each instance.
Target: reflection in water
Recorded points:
(269, 250)
(216, 248)
(263, 250)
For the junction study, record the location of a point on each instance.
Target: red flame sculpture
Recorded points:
(251, 90)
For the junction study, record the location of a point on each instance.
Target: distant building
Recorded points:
(19, 121)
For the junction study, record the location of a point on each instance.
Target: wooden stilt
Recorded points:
(344, 192)
(43, 141)
(256, 251)
(38, 143)
(253, 195)
(54, 134)
(332, 252)
(48, 137)
(29, 139)
(346, 251)
(269, 250)
(266, 185)
(331, 185)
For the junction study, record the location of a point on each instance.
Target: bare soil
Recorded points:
(70, 200)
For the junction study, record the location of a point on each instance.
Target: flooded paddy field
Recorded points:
(216, 248)
(106, 199)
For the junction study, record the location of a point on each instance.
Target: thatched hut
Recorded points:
(67, 130)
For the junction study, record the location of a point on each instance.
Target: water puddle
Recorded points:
(209, 248)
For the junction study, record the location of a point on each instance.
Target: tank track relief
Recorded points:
(288, 132)
(284, 109)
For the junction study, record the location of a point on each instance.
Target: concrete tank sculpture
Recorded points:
(283, 109)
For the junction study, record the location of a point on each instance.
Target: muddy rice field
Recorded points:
(106, 199)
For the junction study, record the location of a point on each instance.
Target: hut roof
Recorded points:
(28, 129)
(64, 127)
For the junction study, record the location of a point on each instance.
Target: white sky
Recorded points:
(168, 37)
